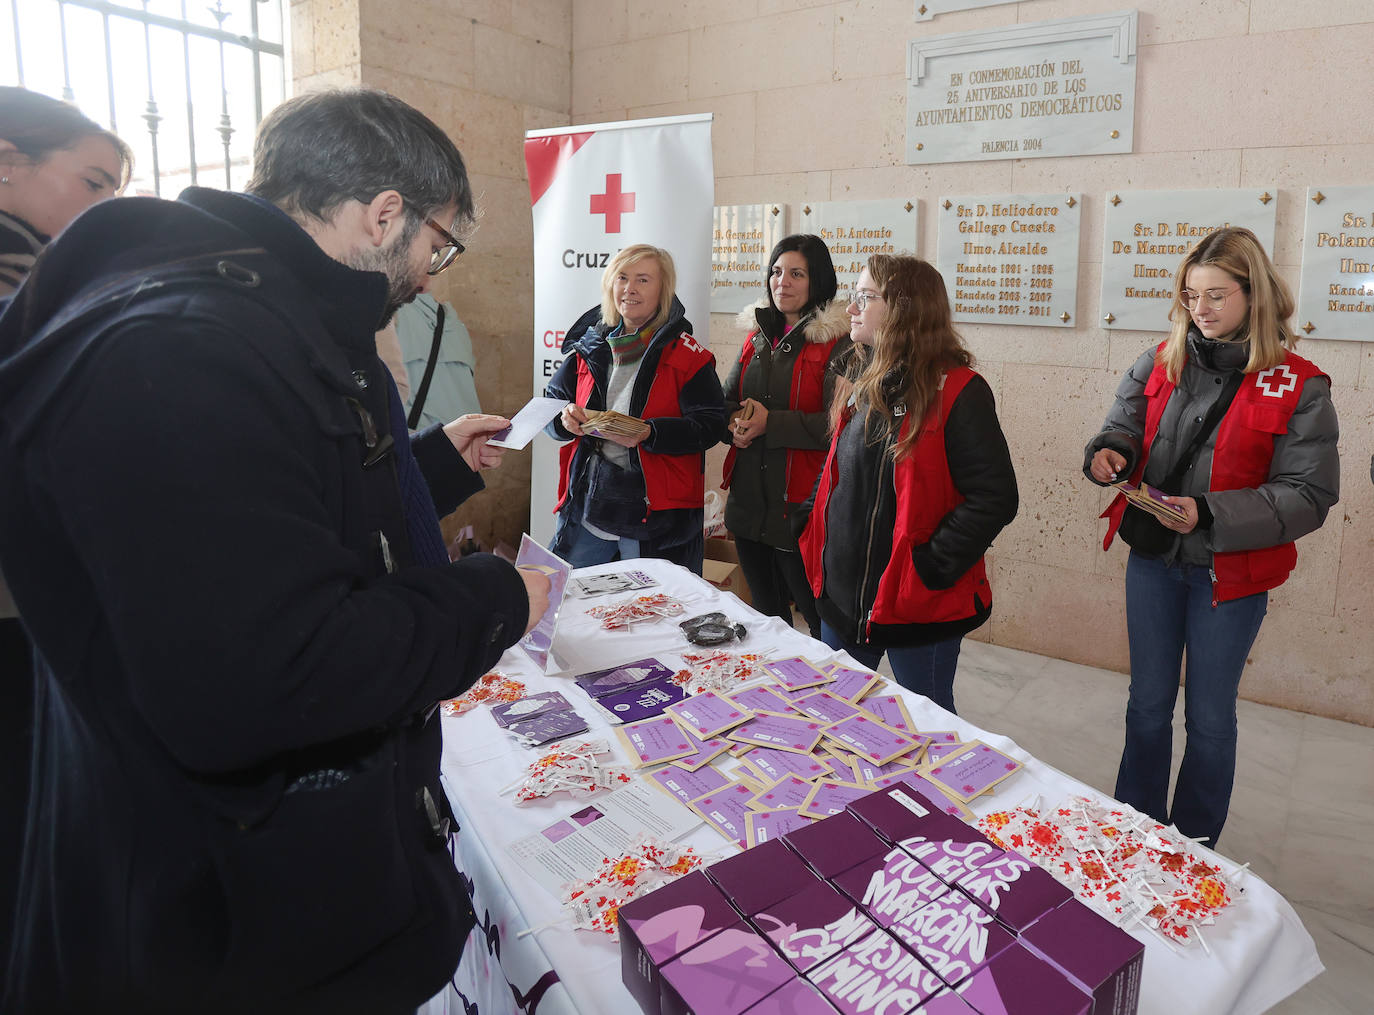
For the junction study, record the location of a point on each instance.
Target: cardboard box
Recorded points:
(732, 971)
(1099, 958)
(721, 568)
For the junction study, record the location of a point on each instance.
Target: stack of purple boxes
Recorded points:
(889, 908)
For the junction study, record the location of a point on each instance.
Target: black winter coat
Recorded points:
(237, 804)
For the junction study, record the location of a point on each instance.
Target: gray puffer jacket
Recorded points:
(1304, 473)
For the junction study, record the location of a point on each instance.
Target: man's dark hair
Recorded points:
(819, 268)
(319, 150)
(38, 125)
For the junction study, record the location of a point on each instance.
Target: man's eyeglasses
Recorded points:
(445, 255)
(1212, 299)
(861, 298)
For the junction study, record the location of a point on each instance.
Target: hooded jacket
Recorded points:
(1298, 478)
(792, 376)
(676, 391)
(236, 797)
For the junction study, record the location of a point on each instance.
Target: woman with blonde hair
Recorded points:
(917, 483)
(638, 495)
(1239, 434)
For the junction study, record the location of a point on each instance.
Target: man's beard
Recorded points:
(394, 263)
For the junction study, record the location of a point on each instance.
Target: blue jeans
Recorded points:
(925, 669)
(1169, 609)
(585, 549)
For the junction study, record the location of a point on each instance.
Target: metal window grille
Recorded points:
(183, 83)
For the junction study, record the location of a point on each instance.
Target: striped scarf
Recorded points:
(628, 346)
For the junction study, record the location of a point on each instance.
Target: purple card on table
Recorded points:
(774, 764)
(790, 791)
(871, 739)
(640, 701)
(851, 684)
(706, 750)
(687, 786)
(708, 714)
(546, 728)
(825, 706)
(530, 706)
(796, 673)
(760, 699)
(785, 733)
(889, 710)
(725, 810)
(938, 750)
(654, 741)
(765, 825)
(972, 771)
(933, 793)
(617, 678)
(828, 797)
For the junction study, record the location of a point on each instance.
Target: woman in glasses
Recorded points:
(776, 397)
(917, 483)
(1240, 435)
(637, 491)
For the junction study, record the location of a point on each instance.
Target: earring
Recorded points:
(4, 179)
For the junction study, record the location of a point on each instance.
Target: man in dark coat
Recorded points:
(227, 553)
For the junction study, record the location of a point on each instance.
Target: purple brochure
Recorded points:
(935, 794)
(786, 733)
(796, 672)
(939, 750)
(825, 707)
(829, 797)
(706, 750)
(530, 706)
(548, 727)
(641, 701)
(890, 711)
(687, 786)
(760, 699)
(775, 764)
(871, 739)
(617, 678)
(533, 557)
(788, 792)
(851, 684)
(974, 770)
(724, 810)
(708, 714)
(765, 825)
(654, 741)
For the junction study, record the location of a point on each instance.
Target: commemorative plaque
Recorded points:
(853, 230)
(741, 239)
(1336, 294)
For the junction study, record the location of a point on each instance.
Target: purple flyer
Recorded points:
(890, 711)
(765, 825)
(600, 682)
(829, 797)
(939, 750)
(935, 794)
(871, 739)
(773, 764)
(654, 741)
(706, 750)
(708, 714)
(725, 810)
(826, 707)
(641, 701)
(687, 786)
(975, 769)
(786, 733)
(530, 706)
(760, 699)
(548, 727)
(788, 792)
(796, 672)
(533, 557)
(851, 684)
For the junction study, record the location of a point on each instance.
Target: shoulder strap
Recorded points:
(414, 418)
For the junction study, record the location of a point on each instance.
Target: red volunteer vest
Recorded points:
(808, 390)
(670, 481)
(1240, 460)
(925, 494)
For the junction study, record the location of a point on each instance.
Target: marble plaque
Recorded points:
(1336, 295)
(855, 229)
(1147, 233)
(927, 9)
(1045, 89)
(1011, 258)
(741, 240)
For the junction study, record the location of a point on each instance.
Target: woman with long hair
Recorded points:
(1239, 433)
(640, 494)
(917, 483)
(776, 397)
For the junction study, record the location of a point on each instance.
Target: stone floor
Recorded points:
(1302, 813)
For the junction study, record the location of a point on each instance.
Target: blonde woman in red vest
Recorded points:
(917, 483)
(1241, 433)
(777, 397)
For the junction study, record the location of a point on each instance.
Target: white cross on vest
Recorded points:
(1277, 381)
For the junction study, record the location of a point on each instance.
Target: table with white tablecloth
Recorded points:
(524, 957)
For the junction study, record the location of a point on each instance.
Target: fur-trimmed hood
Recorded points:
(827, 322)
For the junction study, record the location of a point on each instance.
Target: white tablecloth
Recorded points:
(1261, 952)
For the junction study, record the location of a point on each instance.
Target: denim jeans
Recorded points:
(777, 579)
(1168, 609)
(585, 549)
(925, 669)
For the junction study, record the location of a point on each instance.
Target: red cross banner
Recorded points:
(594, 189)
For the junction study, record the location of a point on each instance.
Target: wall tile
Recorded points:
(618, 76)
(521, 68)
(598, 23)
(779, 52)
(732, 128)
(547, 21)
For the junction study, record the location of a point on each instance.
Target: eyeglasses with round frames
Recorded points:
(1212, 299)
(861, 298)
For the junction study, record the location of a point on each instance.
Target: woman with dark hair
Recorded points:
(776, 398)
(917, 484)
(54, 164)
(1239, 433)
(624, 495)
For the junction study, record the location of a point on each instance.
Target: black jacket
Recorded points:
(237, 804)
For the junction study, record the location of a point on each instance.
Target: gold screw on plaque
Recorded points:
(1064, 317)
(908, 206)
(1116, 134)
(1309, 327)
(920, 147)
(806, 210)
(1116, 200)
(1266, 197)
(946, 206)
(1319, 197)
(777, 210)
(922, 10)
(1071, 202)
(1109, 318)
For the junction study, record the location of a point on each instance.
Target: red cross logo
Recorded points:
(1274, 386)
(613, 203)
